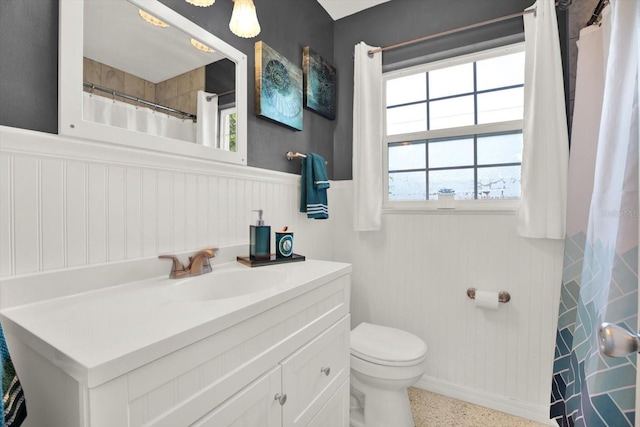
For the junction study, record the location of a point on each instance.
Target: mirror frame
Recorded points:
(70, 96)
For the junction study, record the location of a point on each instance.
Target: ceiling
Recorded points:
(135, 46)
(126, 46)
(340, 8)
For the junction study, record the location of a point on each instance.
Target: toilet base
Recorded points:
(382, 408)
(356, 417)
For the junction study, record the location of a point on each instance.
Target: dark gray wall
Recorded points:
(220, 77)
(287, 26)
(401, 20)
(29, 58)
(29, 64)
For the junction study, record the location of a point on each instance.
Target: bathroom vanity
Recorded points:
(266, 346)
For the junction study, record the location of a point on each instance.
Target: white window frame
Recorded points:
(489, 128)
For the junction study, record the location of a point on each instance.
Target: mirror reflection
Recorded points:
(143, 75)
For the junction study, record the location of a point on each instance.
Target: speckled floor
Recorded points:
(434, 410)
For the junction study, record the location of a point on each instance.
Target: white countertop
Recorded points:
(98, 335)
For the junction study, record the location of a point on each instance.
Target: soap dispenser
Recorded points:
(260, 239)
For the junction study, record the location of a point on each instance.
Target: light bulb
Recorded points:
(198, 45)
(201, 3)
(244, 20)
(152, 19)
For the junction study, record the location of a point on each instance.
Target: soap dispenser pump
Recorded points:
(260, 239)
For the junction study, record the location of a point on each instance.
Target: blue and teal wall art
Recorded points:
(278, 87)
(319, 84)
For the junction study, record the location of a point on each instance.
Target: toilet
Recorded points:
(384, 363)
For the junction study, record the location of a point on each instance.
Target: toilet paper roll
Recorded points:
(487, 300)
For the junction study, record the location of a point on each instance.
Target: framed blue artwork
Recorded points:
(278, 94)
(319, 84)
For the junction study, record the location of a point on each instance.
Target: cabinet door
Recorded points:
(314, 373)
(253, 406)
(335, 412)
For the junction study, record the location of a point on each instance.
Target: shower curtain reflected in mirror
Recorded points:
(600, 277)
(106, 111)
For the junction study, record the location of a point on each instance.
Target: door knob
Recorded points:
(326, 370)
(615, 341)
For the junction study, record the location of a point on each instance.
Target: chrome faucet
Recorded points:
(198, 264)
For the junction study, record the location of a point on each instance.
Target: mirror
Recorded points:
(175, 89)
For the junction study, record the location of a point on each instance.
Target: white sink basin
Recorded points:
(220, 285)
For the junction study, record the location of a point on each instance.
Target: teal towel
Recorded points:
(313, 194)
(14, 407)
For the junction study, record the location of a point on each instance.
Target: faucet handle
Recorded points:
(177, 264)
(199, 262)
(206, 253)
(209, 252)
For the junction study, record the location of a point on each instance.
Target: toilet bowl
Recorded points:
(384, 363)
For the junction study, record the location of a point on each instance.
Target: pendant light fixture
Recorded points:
(201, 3)
(201, 46)
(244, 20)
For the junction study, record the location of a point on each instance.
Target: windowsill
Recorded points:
(461, 207)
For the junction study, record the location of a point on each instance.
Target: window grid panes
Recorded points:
(474, 166)
(483, 92)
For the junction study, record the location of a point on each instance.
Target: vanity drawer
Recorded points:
(252, 406)
(314, 373)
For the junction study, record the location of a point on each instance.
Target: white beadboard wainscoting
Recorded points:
(66, 204)
(70, 203)
(413, 275)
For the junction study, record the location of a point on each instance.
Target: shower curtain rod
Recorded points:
(452, 31)
(210, 97)
(137, 100)
(596, 12)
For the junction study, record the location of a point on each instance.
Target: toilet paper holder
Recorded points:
(503, 296)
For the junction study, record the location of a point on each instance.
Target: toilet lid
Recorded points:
(386, 346)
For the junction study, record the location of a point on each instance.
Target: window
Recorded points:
(456, 124)
(228, 129)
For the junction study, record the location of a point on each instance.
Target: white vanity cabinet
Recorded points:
(309, 388)
(234, 370)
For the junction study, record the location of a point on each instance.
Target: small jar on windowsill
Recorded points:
(446, 198)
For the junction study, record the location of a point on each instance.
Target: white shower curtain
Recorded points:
(600, 277)
(546, 143)
(367, 139)
(100, 109)
(207, 126)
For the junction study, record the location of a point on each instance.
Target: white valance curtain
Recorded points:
(545, 155)
(100, 109)
(367, 139)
